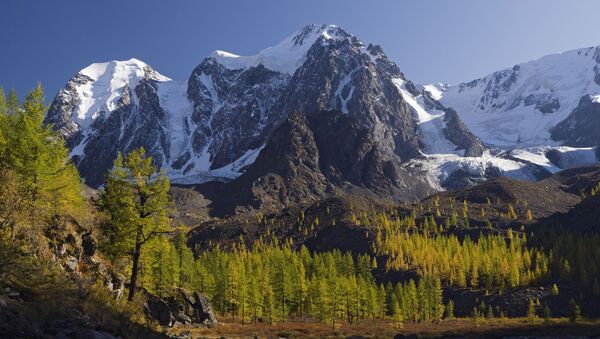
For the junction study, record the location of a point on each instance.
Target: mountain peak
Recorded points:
(126, 68)
(310, 33)
(286, 56)
(104, 83)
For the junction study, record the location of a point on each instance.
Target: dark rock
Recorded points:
(545, 103)
(88, 243)
(159, 310)
(582, 127)
(459, 134)
(180, 309)
(204, 311)
(70, 239)
(310, 157)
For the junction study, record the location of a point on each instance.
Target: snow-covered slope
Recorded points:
(519, 106)
(108, 81)
(430, 121)
(286, 56)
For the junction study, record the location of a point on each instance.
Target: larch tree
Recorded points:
(136, 196)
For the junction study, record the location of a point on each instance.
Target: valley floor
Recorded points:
(485, 328)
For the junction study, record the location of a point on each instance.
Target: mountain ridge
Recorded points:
(214, 125)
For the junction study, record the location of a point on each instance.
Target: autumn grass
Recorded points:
(229, 328)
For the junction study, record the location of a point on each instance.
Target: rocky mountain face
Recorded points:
(310, 157)
(110, 108)
(582, 127)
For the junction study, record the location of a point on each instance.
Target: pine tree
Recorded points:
(397, 315)
(528, 215)
(449, 311)
(233, 286)
(137, 200)
(254, 301)
(531, 316)
(411, 301)
(511, 212)
(554, 290)
(268, 304)
(575, 315)
(48, 181)
(476, 317)
(437, 301)
(547, 314)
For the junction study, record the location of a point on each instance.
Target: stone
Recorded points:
(180, 309)
(89, 245)
(158, 309)
(205, 311)
(71, 263)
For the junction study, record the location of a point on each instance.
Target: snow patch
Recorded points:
(225, 173)
(563, 157)
(173, 99)
(435, 90)
(439, 168)
(431, 123)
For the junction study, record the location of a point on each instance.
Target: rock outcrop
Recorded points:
(182, 308)
(582, 127)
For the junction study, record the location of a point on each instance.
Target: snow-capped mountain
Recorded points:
(535, 118)
(524, 106)
(213, 125)
(322, 111)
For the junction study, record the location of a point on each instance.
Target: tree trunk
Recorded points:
(135, 268)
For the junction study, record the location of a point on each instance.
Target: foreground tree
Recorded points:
(136, 196)
(38, 181)
(38, 184)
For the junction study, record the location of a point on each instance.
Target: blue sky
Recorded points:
(431, 41)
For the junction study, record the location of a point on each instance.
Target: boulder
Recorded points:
(71, 263)
(180, 308)
(158, 309)
(88, 243)
(205, 311)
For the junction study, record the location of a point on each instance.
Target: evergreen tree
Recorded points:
(528, 215)
(449, 311)
(137, 200)
(531, 316)
(397, 315)
(554, 290)
(490, 312)
(254, 301)
(268, 304)
(575, 315)
(547, 314)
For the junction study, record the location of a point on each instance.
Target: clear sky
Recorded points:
(431, 41)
